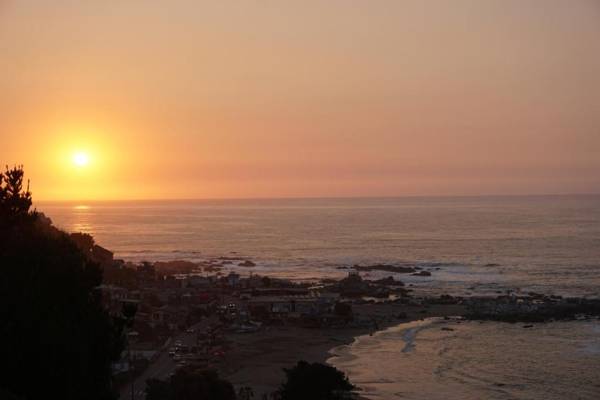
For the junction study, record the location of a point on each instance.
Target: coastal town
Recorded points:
(300, 200)
(249, 327)
(181, 325)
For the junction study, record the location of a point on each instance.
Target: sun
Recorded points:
(81, 159)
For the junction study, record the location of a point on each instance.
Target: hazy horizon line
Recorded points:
(316, 198)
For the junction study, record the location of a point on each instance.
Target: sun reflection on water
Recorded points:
(82, 221)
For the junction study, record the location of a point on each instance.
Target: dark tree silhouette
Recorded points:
(190, 384)
(56, 340)
(14, 201)
(315, 381)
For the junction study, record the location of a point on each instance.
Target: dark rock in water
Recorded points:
(422, 273)
(536, 295)
(447, 329)
(385, 267)
(527, 326)
(342, 267)
(247, 263)
(492, 265)
(528, 309)
(389, 281)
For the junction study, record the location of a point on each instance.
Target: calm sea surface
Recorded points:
(546, 244)
(471, 245)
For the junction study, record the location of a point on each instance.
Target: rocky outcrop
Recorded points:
(398, 269)
(422, 273)
(175, 267)
(537, 308)
(247, 263)
(390, 281)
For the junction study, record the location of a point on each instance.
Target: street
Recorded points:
(161, 368)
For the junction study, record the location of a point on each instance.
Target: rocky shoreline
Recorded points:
(257, 360)
(264, 324)
(533, 307)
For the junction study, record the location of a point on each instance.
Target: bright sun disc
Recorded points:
(81, 159)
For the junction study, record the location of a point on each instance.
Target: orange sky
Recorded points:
(191, 99)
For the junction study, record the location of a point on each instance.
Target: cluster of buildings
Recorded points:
(172, 304)
(167, 303)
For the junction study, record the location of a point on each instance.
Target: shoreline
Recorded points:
(257, 359)
(263, 325)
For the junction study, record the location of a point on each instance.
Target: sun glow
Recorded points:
(81, 159)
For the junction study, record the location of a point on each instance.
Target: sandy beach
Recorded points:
(257, 359)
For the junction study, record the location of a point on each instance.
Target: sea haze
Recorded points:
(548, 244)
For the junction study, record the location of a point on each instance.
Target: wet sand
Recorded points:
(257, 359)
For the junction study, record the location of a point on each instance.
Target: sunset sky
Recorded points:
(192, 99)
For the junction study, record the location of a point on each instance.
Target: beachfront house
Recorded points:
(293, 306)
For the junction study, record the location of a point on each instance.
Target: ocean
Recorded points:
(476, 360)
(471, 245)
